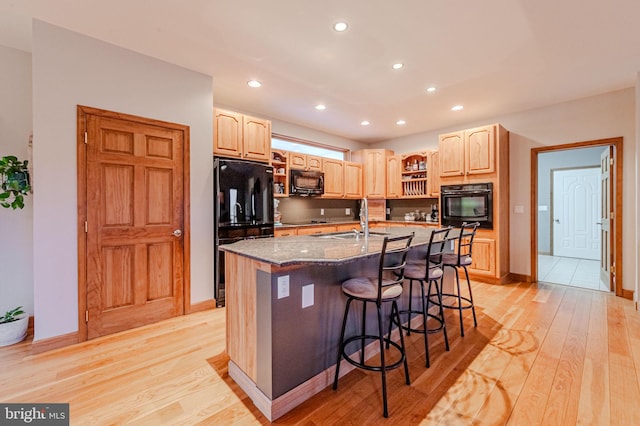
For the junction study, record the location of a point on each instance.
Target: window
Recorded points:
(307, 147)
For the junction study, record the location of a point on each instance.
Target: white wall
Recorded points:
(609, 115)
(71, 69)
(16, 231)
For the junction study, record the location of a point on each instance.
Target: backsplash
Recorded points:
(399, 208)
(301, 210)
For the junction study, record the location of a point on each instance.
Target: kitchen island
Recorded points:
(284, 309)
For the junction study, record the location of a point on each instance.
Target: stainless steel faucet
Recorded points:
(237, 208)
(364, 217)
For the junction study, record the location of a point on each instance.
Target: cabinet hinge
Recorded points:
(611, 161)
(86, 316)
(86, 227)
(85, 137)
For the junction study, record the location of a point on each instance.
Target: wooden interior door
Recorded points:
(606, 236)
(134, 223)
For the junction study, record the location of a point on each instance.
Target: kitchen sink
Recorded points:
(351, 235)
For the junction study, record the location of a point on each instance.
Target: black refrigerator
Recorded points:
(243, 209)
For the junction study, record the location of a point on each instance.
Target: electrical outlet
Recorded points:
(283, 286)
(347, 211)
(307, 295)
(321, 212)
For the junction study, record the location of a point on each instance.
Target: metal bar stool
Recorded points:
(385, 288)
(427, 269)
(461, 258)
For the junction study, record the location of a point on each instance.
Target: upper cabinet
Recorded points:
(305, 162)
(333, 178)
(352, 180)
(394, 167)
(375, 171)
(241, 136)
(433, 174)
(468, 152)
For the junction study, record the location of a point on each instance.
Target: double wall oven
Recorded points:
(467, 203)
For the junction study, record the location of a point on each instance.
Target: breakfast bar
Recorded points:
(284, 309)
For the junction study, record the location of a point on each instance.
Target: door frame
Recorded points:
(617, 204)
(82, 113)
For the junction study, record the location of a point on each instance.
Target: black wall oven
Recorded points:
(467, 203)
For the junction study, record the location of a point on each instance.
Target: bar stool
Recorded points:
(461, 258)
(385, 288)
(427, 269)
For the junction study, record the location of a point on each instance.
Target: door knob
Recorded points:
(177, 232)
(557, 221)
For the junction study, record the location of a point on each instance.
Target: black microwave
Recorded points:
(306, 183)
(467, 203)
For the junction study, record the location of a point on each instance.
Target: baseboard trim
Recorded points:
(627, 294)
(519, 278)
(56, 342)
(205, 305)
(276, 408)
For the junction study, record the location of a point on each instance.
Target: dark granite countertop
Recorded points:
(323, 249)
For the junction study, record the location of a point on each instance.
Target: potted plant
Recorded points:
(13, 326)
(14, 186)
(14, 182)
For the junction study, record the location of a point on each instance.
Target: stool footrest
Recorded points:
(370, 367)
(407, 327)
(467, 303)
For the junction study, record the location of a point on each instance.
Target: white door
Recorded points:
(576, 213)
(606, 207)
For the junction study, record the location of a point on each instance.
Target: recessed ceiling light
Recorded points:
(340, 26)
(431, 89)
(365, 123)
(320, 107)
(457, 108)
(254, 83)
(401, 122)
(397, 66)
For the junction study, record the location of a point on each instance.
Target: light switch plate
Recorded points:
(347, 211)
(283, 286)
(307, 295)
(321, 212)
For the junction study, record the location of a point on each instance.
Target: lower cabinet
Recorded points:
(285, 232)
(312, 230)
(484, 257)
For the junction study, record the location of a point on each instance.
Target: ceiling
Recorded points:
(494, 57)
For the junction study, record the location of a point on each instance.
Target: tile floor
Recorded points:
(570, 271)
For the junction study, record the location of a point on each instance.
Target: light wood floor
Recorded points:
(542, 354)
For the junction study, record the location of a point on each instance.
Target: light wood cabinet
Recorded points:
(313, 230)
(484, 257)
(414, 175)
(305, 162)
(433, 174)
(394, 167)
(241, 136)
(374, 163)
(352, 180)
(284, 232)
(279, 162)
(333, 178)
(468, 152)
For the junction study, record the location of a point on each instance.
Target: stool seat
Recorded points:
(367, 288)
(415, 271)
(451, 259)
(385, 288)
